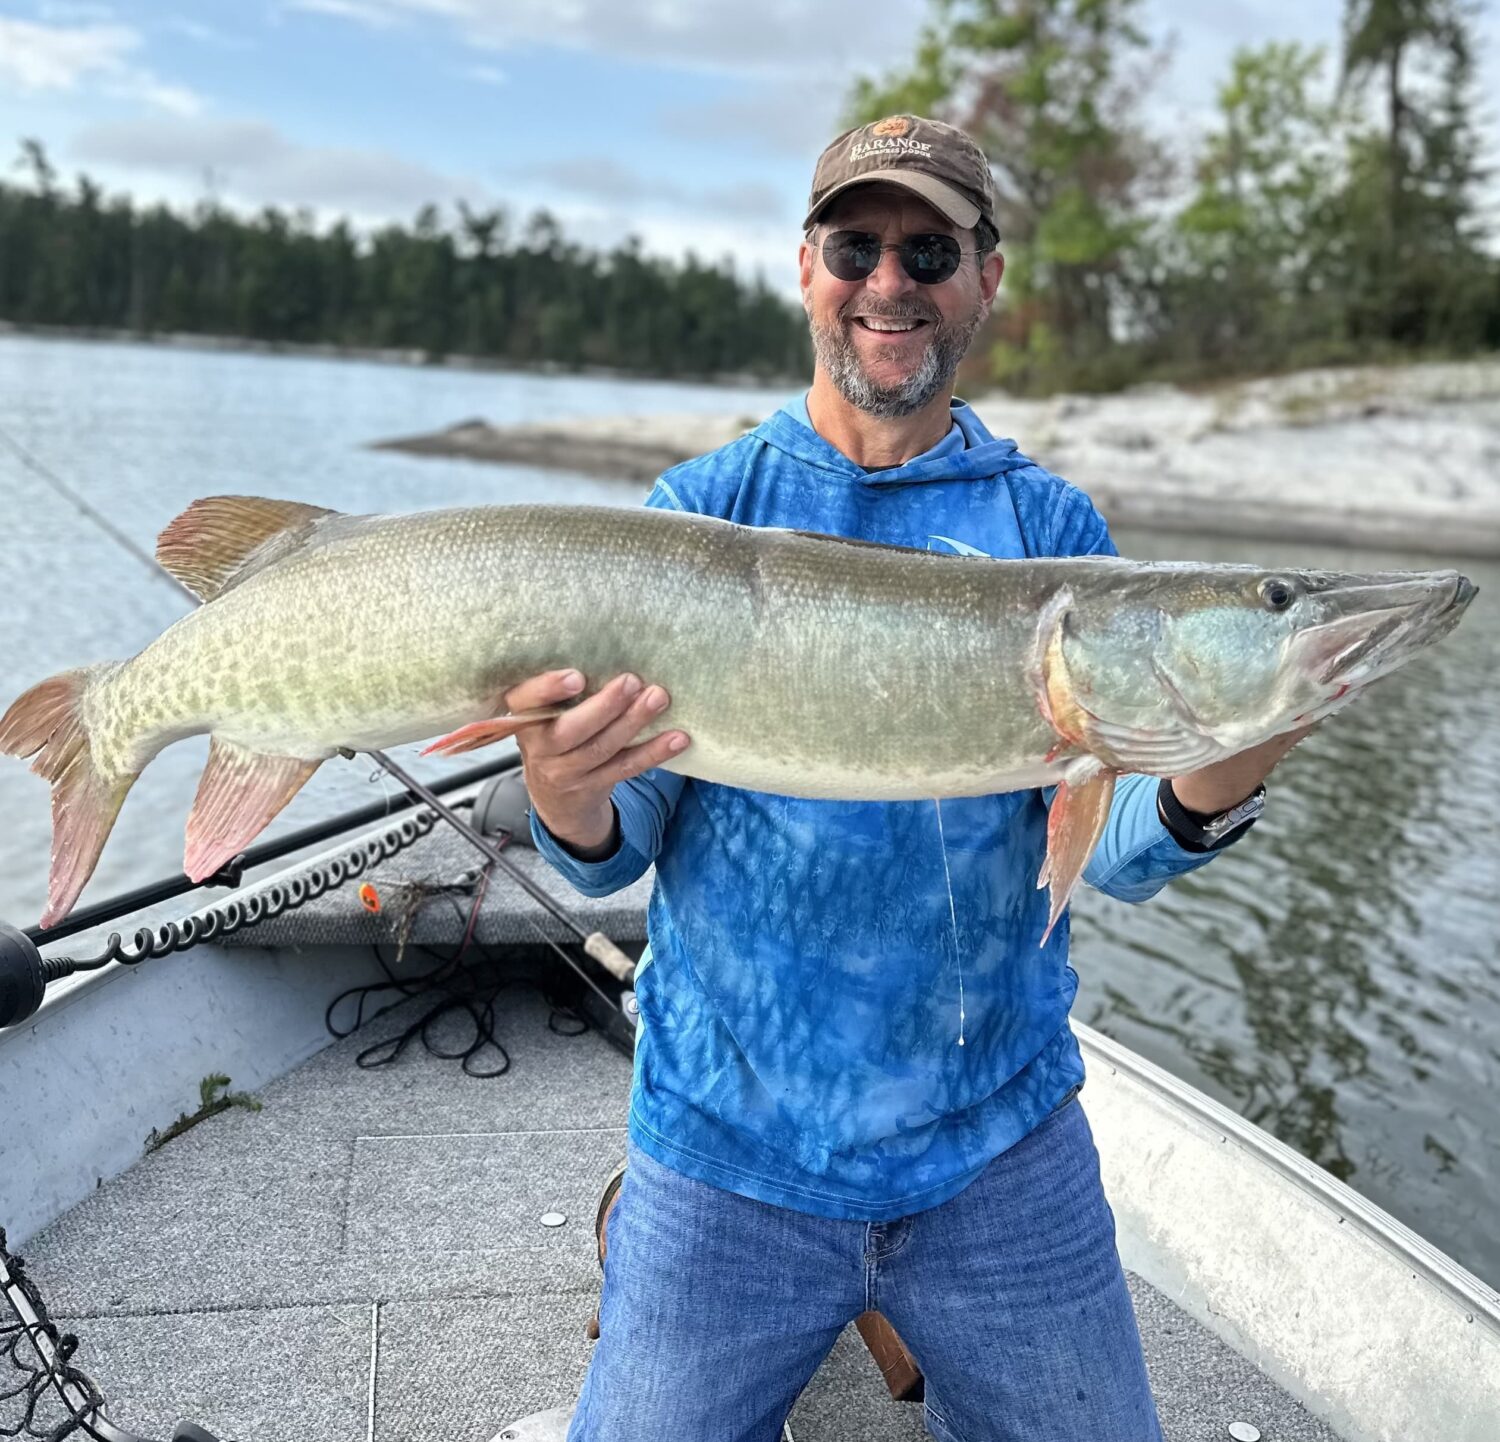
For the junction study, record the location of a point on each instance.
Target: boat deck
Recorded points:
(365, 1258)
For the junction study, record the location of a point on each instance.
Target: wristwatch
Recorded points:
(1197, 832)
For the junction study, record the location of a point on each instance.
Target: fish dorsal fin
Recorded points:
(220, 540)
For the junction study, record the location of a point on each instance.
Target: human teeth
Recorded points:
(874, 324)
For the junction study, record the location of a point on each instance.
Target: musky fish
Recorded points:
(798, 663)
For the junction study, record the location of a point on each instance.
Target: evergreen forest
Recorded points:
(1337, 207)
(467, 285)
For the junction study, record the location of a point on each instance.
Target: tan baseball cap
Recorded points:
(935, 161)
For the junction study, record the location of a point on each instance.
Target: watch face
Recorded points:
(1247, 810)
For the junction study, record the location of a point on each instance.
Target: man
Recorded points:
(854, 1073)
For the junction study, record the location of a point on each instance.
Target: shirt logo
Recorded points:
(963, 548)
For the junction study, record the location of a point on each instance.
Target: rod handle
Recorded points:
(609, 956)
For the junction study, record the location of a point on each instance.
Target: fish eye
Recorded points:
(1276, 593)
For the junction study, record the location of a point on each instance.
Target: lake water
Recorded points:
(1336, 978)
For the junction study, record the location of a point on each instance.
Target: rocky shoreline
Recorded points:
(1404, 458)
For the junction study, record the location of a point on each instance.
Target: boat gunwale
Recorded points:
(1427, 1261)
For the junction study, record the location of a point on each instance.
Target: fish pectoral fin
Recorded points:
(1074, 826)
(486, 733)
(239, 794)
(220, 540)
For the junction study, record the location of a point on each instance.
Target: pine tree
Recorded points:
(1051, 90)
(1411, 204)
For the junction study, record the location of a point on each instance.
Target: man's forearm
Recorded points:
(1216, 788)
(583, 843)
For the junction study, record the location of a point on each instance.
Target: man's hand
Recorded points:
(1226, 783)
(572, 762)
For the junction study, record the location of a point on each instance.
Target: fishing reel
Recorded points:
(503, 807)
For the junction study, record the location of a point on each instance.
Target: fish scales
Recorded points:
(866, 670)
(797, 663)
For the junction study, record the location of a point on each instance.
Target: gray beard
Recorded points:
(836, 354)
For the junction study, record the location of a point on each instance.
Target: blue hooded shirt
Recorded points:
(845, 1009)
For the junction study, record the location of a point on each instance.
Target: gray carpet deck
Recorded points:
(363, 1260)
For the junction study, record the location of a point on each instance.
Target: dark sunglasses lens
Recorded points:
(851, 254)
(930, 258)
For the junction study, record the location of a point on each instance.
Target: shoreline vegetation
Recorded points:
(1389, 458)
(483, 283)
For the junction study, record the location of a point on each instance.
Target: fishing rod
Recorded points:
(595, 943)
(24, 975)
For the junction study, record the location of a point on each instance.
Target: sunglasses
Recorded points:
(927, 259)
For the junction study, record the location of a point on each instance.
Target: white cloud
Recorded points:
(53, 57)
(35, 58)
(603, 178)
(775, 114)
(141, 86)
(205, 34)
(252, 162)
(366, 12)
(774, 36)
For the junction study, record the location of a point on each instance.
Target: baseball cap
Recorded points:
(935, 161)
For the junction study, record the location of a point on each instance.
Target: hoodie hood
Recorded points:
(982, 458)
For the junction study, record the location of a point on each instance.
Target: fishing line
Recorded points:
(79, 503)
(388, 791)
(595, 944)
(958, 955)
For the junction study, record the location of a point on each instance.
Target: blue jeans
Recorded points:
(717, 1309)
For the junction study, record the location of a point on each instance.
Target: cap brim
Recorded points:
(943, 198)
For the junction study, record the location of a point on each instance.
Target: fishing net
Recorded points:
(42, 1393)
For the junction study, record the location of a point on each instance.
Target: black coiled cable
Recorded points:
(227, 917)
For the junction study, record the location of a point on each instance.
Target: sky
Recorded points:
(693, 124)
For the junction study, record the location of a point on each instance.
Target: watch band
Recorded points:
(1197, 832)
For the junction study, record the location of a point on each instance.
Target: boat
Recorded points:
(235, 1226)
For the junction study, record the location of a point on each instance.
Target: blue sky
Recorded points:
(692, 123)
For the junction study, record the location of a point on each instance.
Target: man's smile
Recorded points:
(884, 324)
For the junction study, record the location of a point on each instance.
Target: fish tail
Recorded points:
(48, 722)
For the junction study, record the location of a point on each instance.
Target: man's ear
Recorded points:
(804, 273)
(989, 277)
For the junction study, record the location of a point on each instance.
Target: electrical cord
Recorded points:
(458, 983)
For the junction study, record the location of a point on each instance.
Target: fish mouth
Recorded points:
(1371, 640)
(1464, 591)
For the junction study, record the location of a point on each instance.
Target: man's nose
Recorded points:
(889, 278)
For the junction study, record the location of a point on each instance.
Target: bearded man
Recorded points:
(855, 1083)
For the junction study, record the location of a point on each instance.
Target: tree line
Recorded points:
(1332, 212)
(475, 286)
